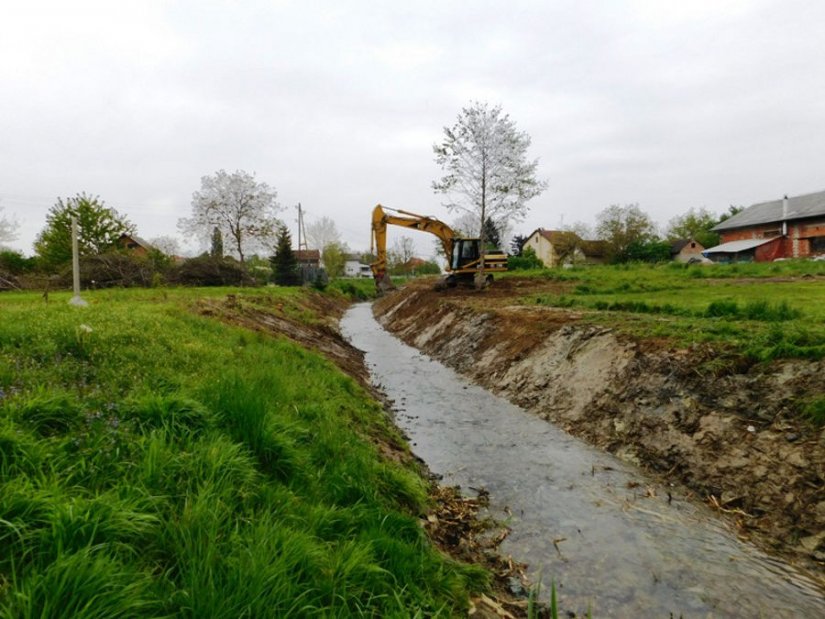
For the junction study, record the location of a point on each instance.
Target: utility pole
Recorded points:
(301, 231)
(76, 300)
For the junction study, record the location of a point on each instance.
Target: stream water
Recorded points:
(611, 540)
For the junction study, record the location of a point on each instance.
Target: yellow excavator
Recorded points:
(463, 254)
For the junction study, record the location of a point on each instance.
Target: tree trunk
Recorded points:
(480, 278)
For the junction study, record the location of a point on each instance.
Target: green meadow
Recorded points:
(158, 463)
(761, 311)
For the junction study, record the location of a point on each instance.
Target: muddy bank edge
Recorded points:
(733, 440)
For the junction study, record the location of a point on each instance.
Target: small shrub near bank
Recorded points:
(814, 410)
(359, 289)
(752, 310)
(527, 260)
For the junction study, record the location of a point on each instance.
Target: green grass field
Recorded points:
(764, 311)
(157, 463)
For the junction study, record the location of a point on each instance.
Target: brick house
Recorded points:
(554, 247)
(787, 228)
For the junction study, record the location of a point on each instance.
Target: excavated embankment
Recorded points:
(733, 440)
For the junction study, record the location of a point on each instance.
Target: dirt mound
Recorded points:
(734, 440)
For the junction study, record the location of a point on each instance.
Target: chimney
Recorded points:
(785, 216)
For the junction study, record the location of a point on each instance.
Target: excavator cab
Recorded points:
(465, 253)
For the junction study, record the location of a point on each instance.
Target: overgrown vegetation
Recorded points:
(764, 311)
(157, 463)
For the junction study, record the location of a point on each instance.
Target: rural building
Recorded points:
(308, 257)
(353, 267)
(135, 244)
(787, 228)
(686, 250)
(554, 247)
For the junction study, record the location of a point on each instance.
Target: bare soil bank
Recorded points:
(734, 440)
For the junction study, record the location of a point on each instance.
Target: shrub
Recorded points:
(718, 309)
(526, 261)
(14, 263)
(208, 271)
(753, 310)
(115, 269)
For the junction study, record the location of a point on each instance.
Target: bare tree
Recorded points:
(322, 232)
(467, 225)
(243, 209)
(584, 230)
(403, 250)
(487, 173)
(168, 245)
(8, 229)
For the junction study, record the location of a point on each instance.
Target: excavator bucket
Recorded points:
(383, 283)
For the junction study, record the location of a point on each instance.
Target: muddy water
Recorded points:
(611, 540)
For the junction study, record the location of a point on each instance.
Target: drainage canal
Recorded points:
(611, 540)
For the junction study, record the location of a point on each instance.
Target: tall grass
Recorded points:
(167, 465)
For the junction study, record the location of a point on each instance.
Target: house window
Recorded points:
(771, 233)
(818, 245)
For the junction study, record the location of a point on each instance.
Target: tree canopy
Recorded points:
(622, 226)
(99, 228)
(695, 224)
(243, 209)
(334, 255)
(486, 169)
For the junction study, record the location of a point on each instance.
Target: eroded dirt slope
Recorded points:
(733, 440)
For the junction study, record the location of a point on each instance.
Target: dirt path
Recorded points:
(733, 439)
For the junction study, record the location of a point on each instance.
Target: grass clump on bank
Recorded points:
(156, 463)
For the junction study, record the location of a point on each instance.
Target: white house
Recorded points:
(353, 267)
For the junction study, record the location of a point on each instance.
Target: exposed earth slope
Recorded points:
(732, 438)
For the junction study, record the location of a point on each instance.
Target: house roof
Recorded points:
(136, 239)
(307, 255)
(592, 249)
(799, 207)
(555, 236)
(734, 247)
(679, 244)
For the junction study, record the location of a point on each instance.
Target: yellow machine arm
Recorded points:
(378, 244)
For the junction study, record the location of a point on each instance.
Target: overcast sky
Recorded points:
(670, 104)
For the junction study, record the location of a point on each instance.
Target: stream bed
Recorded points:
(610, 539)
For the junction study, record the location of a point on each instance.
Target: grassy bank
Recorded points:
(764, 311)
(158, 463)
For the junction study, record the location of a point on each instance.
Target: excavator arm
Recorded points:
(381, 219)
